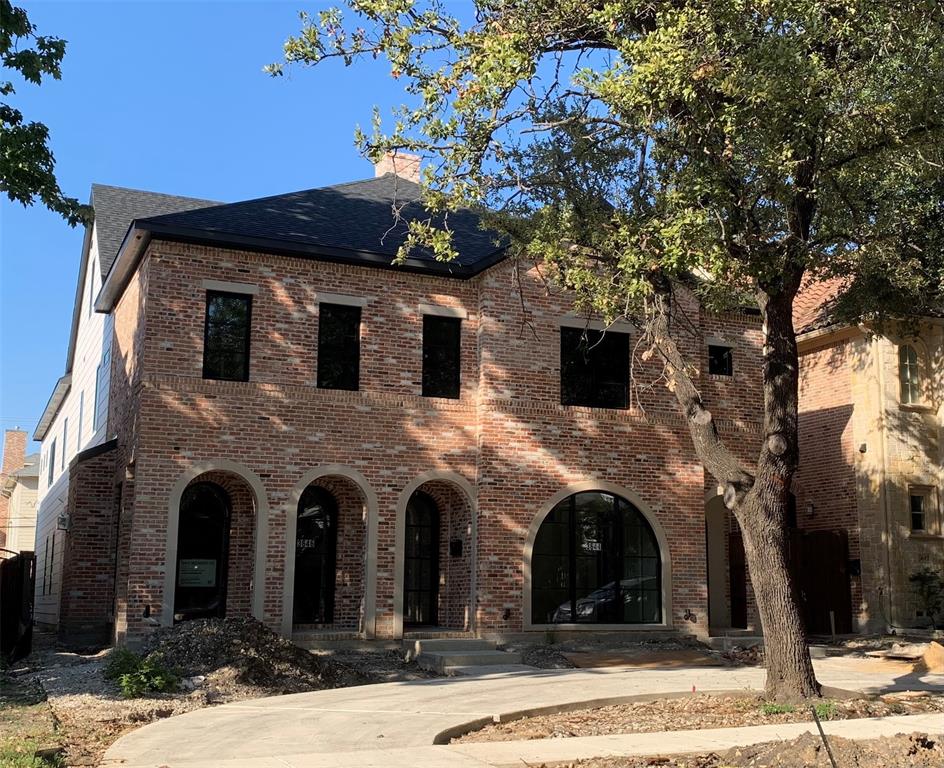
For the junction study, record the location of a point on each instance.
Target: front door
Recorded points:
(202, 553)
(421, 579)
(316, 539)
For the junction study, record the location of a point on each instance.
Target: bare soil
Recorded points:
(902, 751)
(219, 661)
(694, 712)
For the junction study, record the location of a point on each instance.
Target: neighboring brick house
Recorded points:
(304, 432)
(872, 456)
(17, 493)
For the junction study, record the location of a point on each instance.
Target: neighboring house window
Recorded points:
(52, 463)
(339, 346)
(441, 345)
(594, 368)
(226, 336)
(909, 377)
(919, 502)
(720, 360)
(65, 443)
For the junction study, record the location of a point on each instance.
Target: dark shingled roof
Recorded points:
(116, 207)
(353, 222)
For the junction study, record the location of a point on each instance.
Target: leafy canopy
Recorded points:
(631, 142)
(27, 165)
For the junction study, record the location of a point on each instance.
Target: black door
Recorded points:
(202, 552)
(316, 544)
(421, 579)
(737, 575)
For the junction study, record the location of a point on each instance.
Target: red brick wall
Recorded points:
(86, 609)
(507, 435)
(14, 457)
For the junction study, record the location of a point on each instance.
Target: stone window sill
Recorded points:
(926, 535)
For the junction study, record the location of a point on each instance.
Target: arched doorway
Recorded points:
(421, 574)
(596, 560)
(202, 552)
(316, 543)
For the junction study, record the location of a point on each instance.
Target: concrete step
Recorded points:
(414, 648)
(440, 661)
(484, 670)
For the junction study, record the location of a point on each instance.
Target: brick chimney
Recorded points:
(400, 163)
(14, 458)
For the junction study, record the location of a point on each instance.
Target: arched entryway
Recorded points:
(214, 548)
(326, 570)
(434, 558)
(595, 559)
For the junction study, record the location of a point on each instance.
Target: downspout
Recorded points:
(883, 477)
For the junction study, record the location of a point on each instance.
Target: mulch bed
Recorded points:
(693, 712)
(903, 751)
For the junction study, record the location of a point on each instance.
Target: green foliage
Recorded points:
(27, 165)
(928, 585)
(632, 143)
(825, 710)
(137, 676)
(771, 708)
(22, 755)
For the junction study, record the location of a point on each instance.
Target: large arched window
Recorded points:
(909, 375)
(596, 561)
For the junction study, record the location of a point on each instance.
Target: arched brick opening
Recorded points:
(349, 596)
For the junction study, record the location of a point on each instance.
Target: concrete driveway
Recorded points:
(396, 724)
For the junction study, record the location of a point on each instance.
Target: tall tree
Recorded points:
(746, 149)
(27, 165)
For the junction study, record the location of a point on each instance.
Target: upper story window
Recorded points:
(909, 375)
(65, 443)
(51, 468)
(720, 360)
(339, 346)
(920, 507)
(226, 336)
(594, 368)
(441, 345)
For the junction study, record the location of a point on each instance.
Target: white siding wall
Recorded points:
(92, 353)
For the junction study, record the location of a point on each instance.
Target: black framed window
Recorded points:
(594, 368)
(339, 346)
(51, 467)
(917, 506)
(226, 336)
(596, 561)
(720, 360)
(441, 345)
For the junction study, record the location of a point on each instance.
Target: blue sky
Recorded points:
(168, 97)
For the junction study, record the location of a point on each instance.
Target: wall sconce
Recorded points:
(810, 509)
(62, 522)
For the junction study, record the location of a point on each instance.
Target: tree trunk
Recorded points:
(790, 675)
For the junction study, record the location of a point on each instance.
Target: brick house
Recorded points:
(301, 431)
(18, 478)
(872, 455)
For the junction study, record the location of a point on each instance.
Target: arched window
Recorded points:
(202, 552)
(316, 544)
(909, 375)
(596, 561)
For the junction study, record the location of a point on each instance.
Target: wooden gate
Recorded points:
(17, 579)
(820, 564)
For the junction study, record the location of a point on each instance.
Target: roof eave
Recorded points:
(58, 396)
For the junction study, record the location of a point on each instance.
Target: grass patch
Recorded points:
(770, 708)
(825, 710)
(137, 676)
(26, 726)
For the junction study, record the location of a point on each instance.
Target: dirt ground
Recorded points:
(807, 751)
(218, 661)
(695, 712)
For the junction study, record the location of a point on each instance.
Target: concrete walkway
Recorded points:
(394, 725)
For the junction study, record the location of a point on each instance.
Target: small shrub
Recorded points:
(826, 710)
(770, 708)
(137, 676)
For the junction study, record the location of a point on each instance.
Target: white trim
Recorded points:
(173, 523)
(227, 287)
(341, 298)
(466, 488)
(370, 544)
(665, 556)
(441, 311)
(571, 320)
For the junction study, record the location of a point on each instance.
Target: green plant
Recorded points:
(137, 676)
(769, 708)
(928, 585)
(825, 710)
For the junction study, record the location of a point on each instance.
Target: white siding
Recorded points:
(92, 352)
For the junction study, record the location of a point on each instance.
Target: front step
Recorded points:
(442, 661)
(414, 647)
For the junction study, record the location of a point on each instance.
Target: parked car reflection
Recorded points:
(603, 604)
